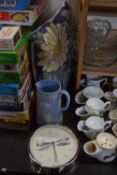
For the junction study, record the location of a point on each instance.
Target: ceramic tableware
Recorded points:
(93, 91)
(113, 115)
(83, 82)
(90, 134)
(80, 98)
(114, 129)
(82, 113)
(115, 92)
(95, 80)
(97, 123)
(103, 148)
(109, 96)
(97, 106)
(114, 82)
(48, 102)
(87, 126)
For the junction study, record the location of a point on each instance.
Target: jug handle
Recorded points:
(107, 125)
(67, 95)
(107, 105)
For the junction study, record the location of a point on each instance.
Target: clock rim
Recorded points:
(67, 164)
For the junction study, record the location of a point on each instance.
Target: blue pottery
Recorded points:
(48, 102)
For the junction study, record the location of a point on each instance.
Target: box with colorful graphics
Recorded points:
(24, 18)
(14, 4)
(18, 120)
(14, 64)
(9, 37)
(15, 73)
(16, 89)
(16, 106)
(27, 88)
(17, 55)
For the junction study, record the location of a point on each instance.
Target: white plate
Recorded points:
(80, 98)
(93, 92)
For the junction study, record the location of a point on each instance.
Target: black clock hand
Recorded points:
(61, 142)
(55, 153)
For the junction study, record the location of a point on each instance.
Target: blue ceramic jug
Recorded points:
(48, 102)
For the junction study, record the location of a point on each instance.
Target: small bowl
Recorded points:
(113, 115)
(114, 129)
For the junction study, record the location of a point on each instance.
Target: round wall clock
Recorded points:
(53, 147)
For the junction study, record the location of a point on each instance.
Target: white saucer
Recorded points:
(80, 98)
(93, 92)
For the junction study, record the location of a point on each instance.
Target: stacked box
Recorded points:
(23, 17)
(14, 64)
(14, 4)
(15, 82)
(9, 37)
(17, 99)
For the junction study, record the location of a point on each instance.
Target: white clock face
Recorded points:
(53, 146)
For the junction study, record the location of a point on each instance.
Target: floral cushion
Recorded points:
(51, 47)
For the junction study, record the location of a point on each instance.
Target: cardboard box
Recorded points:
(14, 65)
(15, 56)
(23, 18)
(16, 99)
(18, 120)
(9, 37)
(16, 89)
(16, 106)
(15, 73)
(14, 4)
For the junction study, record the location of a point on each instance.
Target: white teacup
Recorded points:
(114, 82)
(93, 126)
(96, 106)
(97, 123)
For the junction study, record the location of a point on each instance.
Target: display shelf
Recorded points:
(106, 71)
(110, 70)
(102, 4)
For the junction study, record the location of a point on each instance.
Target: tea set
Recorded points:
(91, 110)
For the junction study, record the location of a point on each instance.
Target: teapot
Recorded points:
(97, 106)
(95, 80)
(86, 126)
(103, 148)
